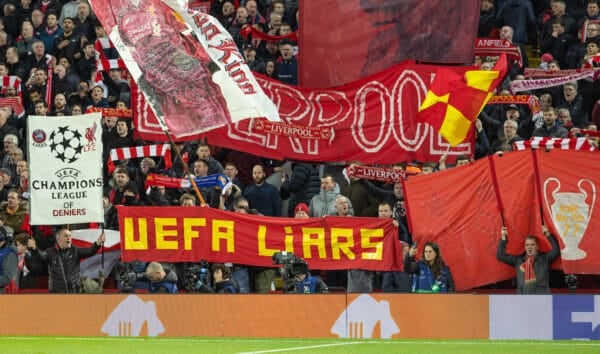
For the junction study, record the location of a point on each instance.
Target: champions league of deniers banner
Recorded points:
(65, 169)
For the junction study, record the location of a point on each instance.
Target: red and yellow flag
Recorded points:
(453, 102)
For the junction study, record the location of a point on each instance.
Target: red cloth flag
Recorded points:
(454, 102)
(374, 121)
(457, 209)
(215, 235)
(355, 39)
(569, 185)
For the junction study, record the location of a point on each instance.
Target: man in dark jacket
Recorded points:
(163, 281)
(533, 267)
(301, 187)
(63, 261)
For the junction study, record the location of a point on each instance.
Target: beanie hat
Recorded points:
(546, 58)
(301, 207)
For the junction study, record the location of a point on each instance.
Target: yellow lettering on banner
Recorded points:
(223, 229)
(129, 234)
(189, 233)
(289, 239)
(262, 242)
(372, 238)
(342, 240)
(308, 241)
(161, 234)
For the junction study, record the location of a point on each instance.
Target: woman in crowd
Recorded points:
(430, 274)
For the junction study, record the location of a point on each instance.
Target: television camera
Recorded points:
(129, 273)
(197, 278)
(291, 267)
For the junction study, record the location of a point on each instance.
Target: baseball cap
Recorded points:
(513, 106)
(301, 207)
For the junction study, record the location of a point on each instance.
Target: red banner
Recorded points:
(569, 184)
(189, 234)
(460, 210)
(374, 120)
(355, 39)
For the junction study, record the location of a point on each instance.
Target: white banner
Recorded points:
(244, 96)
(65, 169)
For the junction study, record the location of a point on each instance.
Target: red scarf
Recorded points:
(527, 268)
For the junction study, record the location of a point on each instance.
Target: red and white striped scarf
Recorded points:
(100, 45)
(10, 81)
(107, 65)
(135, 152)
(15, 103)
(555, 143)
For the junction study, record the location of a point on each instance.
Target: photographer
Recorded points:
(8, 260)
(162, 281)
(222, 283)
(63, 261)
(309, 284)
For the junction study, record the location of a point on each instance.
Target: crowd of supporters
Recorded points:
(48, 56)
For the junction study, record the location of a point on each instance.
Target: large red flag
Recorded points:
(569, 182)
(460, 210)
(343, 40)
(457, 209)
(373, 120)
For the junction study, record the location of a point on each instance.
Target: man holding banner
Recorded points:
(533, 267)
(63, 261)
(66, 185)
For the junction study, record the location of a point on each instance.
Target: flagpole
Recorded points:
(538, 185)
(185, 166)
(101, 273)
(496, 188)
(186, 169)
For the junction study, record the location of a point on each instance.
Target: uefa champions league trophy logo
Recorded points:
(571, 215)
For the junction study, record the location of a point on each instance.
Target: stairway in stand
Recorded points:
(533, 55)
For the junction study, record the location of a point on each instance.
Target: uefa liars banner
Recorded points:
(186, 64)
(353, 39)
(373, 120)
(65, 169)
(176, 234)
(460, 209)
